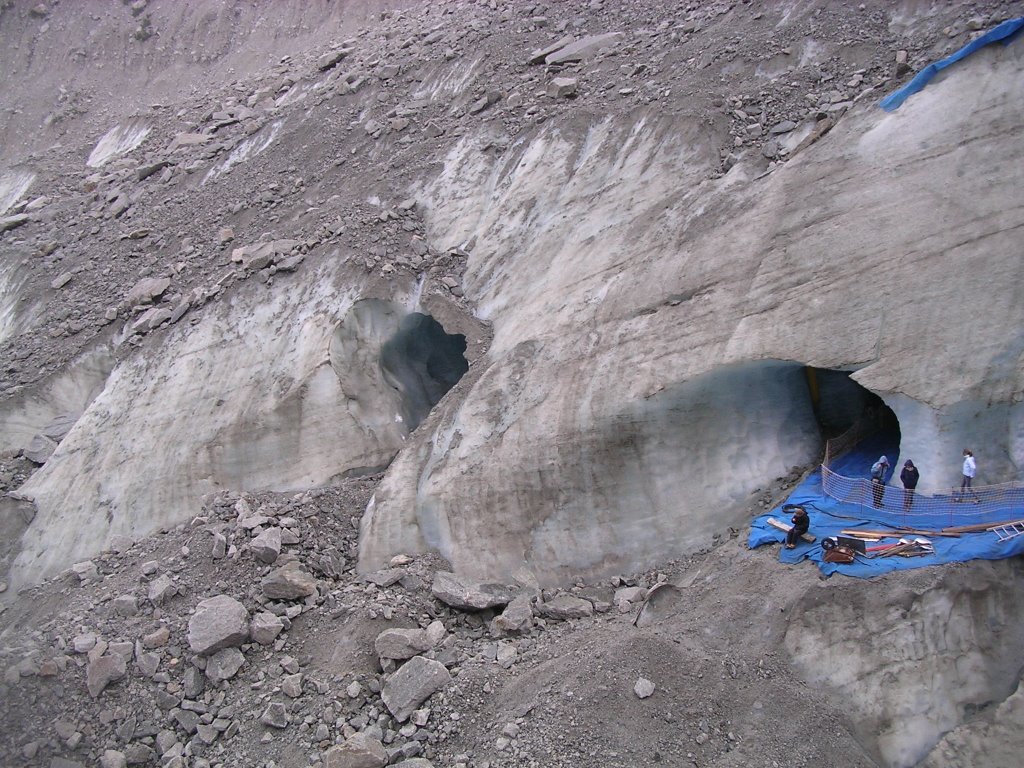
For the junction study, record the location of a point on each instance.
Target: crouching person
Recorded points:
(801, 524)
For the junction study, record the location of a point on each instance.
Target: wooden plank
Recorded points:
(979, 527)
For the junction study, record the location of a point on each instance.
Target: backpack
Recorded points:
(877, 470)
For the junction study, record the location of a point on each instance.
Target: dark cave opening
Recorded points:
(422, 362)
(841, 403)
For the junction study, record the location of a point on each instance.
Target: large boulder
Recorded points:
(289, 582)
(413, 684)
(218, 622)
(467, 595)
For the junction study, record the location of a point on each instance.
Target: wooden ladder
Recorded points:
(1008, 531)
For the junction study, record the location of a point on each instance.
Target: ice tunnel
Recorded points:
(422, 363)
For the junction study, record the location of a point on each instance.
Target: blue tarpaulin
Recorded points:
(828, 517)
(1004, 33)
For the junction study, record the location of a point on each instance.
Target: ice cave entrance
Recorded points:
(422, 362)
(840, 403)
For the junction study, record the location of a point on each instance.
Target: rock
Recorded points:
(629, 595)
(566, 607)
(331, 59)
(143, 172)
(465, 595)
(291, 685)
(275, 715)
(386, 577)
(86, 571)
(161, 590)
(220, 546)
(357, 751)
(265, 628)
(413, 762)
(413, 684)
(643, 688)
(267, 546)
(61, 281)
(560, 87)
(224, 664)
(401, 643)
(111, 758)
(102, 671)
(289, 582)
(784, 127)
(146, 290)
(218, 622)
(584, 48)
(538, 55)
(125, 605)
(157, 638)
(517, 616)
(8, 223)
(771, 149)
(39, 449)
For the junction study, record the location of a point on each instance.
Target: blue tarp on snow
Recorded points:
(1005, 33)
(828, 517)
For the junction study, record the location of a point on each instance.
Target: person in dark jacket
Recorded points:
(801, 523)
(909, 476)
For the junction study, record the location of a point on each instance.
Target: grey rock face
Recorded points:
(466, 595)
(218, 622)
(413, 684)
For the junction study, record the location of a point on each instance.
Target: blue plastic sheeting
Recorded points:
(1005, 32)
(828, 517)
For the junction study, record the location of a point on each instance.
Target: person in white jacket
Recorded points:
(969, 471)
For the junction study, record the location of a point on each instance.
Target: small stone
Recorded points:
(643, 688)
(267, 546)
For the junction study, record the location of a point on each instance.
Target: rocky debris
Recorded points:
(459, 593)
(147, 290)
(218, 622)
(414, 682)
(517, 616)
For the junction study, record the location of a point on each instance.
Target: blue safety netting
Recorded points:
(828, 517)
(1004, 33)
